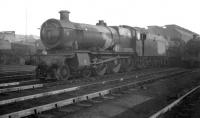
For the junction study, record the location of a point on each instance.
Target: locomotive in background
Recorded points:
(191, 55)
(81, 49)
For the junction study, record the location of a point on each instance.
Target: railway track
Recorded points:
(35, 83)
(49, 100)
(14, 82)
(21, 85)
(14, 72)
(12, 69)
(50, 88)
(183, 107)
(16, 76)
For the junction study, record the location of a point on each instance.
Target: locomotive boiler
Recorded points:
(81, 49)
(65, 35)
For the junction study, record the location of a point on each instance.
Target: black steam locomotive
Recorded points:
(80, 49)
(191, 55)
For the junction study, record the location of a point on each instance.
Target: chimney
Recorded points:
(64, 15)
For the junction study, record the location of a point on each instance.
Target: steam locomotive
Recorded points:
(191, 55)
(80, 49)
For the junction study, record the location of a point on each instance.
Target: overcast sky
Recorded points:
(140, 13)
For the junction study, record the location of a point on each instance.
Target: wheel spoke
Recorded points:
(101, 70)
(116, 69)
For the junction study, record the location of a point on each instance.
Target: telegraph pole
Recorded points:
(26, 25)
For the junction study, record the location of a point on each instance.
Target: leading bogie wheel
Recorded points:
(63, 72)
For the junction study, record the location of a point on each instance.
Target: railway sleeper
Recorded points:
(89, 101)
(39, 109)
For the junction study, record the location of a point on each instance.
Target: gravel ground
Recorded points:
(141, 103)
(49, 99)
(196, 113)
(163, 92)
(67, 84)
(44, 100)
